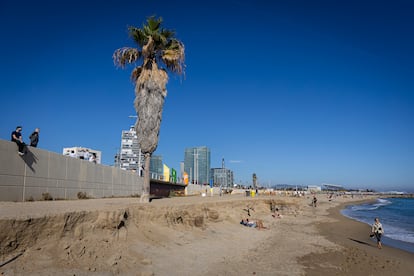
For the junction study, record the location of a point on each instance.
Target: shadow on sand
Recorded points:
(360, 242)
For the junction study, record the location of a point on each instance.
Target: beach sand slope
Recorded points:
(190, 236)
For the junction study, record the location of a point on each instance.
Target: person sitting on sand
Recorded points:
(255, 224)
(277, 215)
(246, 222)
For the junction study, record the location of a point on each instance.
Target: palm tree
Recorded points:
(158, 52)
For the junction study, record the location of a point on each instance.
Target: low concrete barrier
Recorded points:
(39, 171)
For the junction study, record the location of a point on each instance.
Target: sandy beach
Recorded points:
(191, 236)
(359, 254)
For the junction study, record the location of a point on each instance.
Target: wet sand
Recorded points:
(359, 255)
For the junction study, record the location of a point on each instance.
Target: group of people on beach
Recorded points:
(377, 230)
(258, 223)
(16, 136)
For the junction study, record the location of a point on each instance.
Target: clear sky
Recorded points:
(298, 92)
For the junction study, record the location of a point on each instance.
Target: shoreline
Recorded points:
(359, 255)
(399, 244)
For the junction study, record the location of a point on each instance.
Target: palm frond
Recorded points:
(168, 34)
(138, 35)
(148, 31)
(174, 57)
(154, 23)
(163, 40)
(157, 39)
(125, 55)
(156, 44)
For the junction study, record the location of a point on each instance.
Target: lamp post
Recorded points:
(195, 165)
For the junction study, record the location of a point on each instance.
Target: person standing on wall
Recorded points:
(16, 137)
(34, 138)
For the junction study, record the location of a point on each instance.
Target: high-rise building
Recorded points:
(197, 164)
(130, 156)
(156, 167)
(222, 177)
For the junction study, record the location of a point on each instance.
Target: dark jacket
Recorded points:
(34, 139)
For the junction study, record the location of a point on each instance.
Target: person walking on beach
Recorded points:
(34, 138)
(16, 137)
(377, 231)
(314, 201)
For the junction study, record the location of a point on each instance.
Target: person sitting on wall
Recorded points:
(16, 137)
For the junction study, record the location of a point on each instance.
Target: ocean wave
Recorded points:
(369, 207)
(351, 215)
(405, 237)
(396, 217)
(364, 208)
(396, 231)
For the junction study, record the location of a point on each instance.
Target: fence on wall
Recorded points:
(40, 172)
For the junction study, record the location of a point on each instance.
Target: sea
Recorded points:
(396, 216)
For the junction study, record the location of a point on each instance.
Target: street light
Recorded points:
(195, 165)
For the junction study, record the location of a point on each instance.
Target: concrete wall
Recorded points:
(40, 171)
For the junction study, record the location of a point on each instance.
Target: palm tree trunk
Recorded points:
(146, 187)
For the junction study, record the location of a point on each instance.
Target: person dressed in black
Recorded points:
(34, 138)
(16, 137)
(314, 201)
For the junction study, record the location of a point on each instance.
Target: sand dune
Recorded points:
(182, 236)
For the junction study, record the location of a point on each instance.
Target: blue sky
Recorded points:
(298, 92)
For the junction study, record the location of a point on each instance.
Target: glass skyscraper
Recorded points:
(156, 166)
(197, 164)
